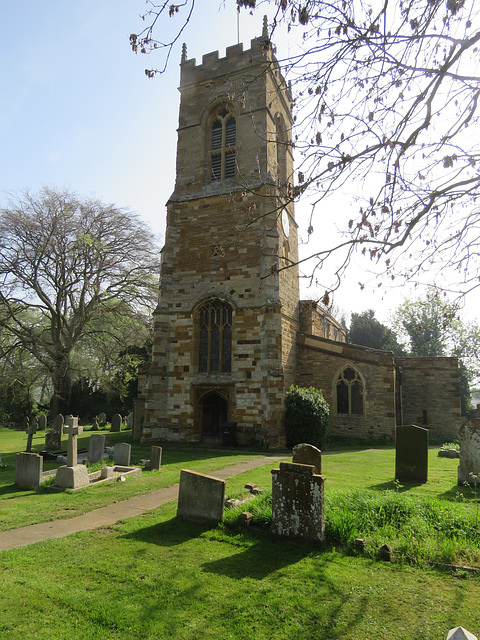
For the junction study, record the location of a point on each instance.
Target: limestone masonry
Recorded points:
(230, 332)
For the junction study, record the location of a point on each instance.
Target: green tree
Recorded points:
(431, 326)
(307, 416)
(66, 262)
(366, 330)
(386, 100)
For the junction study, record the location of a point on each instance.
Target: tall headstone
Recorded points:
(30, 431)
(96, 446)
(155, 461)
(72, 475)
(121, 454)
(129, 420)
(308, 454)
(42, 422)
(200, 497)
(53, 439)
(102, 418)
(469, 438)
(95, 424)
(116, 423)
(298, 502)
(28, 470)
(411, 454)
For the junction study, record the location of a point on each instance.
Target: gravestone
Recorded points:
(53, 439)
(469, 438)
(411, 454)
(200, 497)
(72, 475)
(96, 445)
(459, 633)
(42, 422)
(116, 423)
(102, 418)
(298, 502)
(95, 424)
(307, 454)
(129, 420)
(30, 431)
(121, 454)
(155, 461)
(28, 470)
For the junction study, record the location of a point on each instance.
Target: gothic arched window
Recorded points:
(349, 391)
(223, 144)
(215, 337)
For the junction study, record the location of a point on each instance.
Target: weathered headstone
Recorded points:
(200, 497)
(102, 418)
(96, 445)
(31, 430)
(28, 470)
(155, 461)
(298, 502)
(129, 420)
(53, 439)
(411, 454)
(307, 454)
(73, 475)
(42, 422)
(95, 424)
(459, 633)
(58, 423)
(469, 438)
(116, 423)
(121, 454)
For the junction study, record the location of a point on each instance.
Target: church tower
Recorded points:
(227, 317)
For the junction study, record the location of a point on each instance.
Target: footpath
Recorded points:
(109, 515)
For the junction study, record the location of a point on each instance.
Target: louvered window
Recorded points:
(223, 145)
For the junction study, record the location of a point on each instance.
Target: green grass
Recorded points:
(155, 576)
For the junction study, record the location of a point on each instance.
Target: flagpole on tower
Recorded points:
(238, 24)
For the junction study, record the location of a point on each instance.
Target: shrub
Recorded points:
(307, 416)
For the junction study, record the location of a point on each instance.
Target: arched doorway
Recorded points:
(214, 413)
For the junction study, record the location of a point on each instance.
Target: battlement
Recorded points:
(235, 60)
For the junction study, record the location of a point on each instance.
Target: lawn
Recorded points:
(157, 577)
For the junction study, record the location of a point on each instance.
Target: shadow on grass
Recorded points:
(393, 485)
(264, 557)
(170, 533)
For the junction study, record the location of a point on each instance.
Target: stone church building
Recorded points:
(230, 331)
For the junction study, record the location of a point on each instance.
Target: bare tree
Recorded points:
(387, 109)
(64, 263)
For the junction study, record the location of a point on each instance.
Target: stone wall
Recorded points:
(428, 394)
(319, 363)
(316, 321)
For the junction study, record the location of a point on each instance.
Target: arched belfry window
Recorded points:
(223, 144)
(215, 337)
(350, 392)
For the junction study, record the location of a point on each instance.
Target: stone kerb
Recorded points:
(411, 454)
(308, 454)
(469, 467)
(200, 497)
(298, 502)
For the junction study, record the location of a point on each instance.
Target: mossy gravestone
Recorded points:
(411, 456)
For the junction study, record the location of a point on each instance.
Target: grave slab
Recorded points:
(200, 497)
(411, 454)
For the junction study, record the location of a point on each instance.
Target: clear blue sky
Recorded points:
(77, 111)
